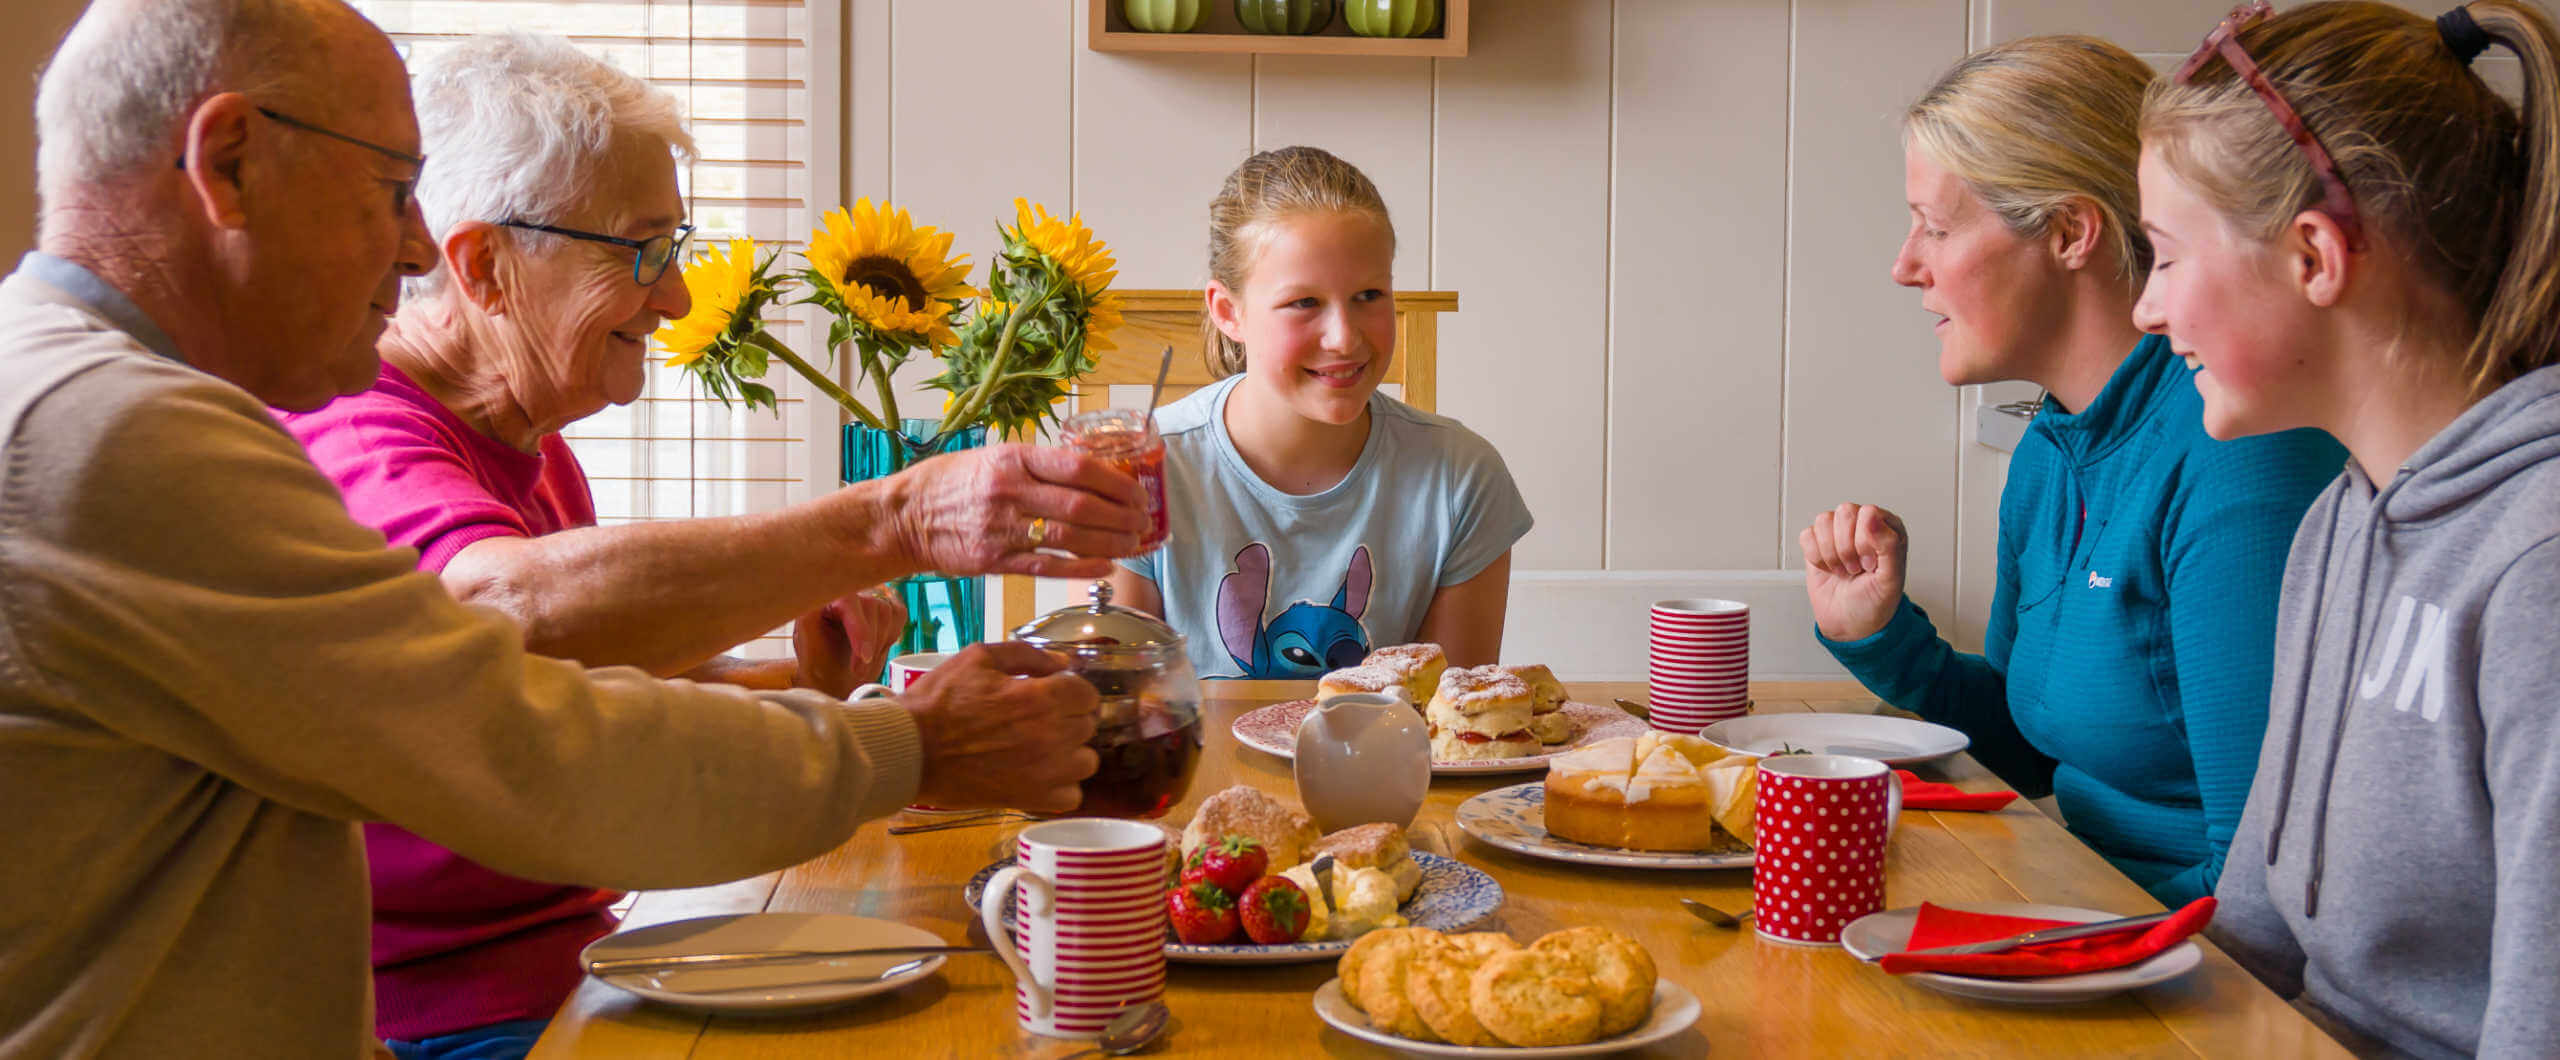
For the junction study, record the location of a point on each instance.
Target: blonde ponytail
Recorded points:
(2440, 166)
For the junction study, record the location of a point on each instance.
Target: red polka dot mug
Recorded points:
(1818, 862)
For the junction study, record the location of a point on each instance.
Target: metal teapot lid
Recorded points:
(1098, 624)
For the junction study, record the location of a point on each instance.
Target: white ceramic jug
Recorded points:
(1361, 758)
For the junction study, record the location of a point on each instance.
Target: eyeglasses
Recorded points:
(2335, 200)
(403, 189)
(654, 252)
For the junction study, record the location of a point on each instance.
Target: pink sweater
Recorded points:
(456, 945)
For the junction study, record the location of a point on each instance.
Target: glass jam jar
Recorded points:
(1148, 732)
(1127, 439)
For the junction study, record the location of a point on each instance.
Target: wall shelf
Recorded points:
(1107, 31)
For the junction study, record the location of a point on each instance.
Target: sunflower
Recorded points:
(1083, 259)
(888, 275)
(721, 285)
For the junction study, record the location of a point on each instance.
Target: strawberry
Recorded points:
(1274, 911)
(1233, 863)
(1202, 914)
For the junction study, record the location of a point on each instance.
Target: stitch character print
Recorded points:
(1306, 640)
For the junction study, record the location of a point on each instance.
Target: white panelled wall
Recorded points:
(1669, 223)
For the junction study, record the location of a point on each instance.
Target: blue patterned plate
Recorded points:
(1515, 819)
(1453, 896)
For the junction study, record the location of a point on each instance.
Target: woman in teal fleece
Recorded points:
(2126, 659)
(2398, 866)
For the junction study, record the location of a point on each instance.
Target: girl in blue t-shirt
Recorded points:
(1314, 518)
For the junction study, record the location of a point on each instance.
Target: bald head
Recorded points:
(115, 97)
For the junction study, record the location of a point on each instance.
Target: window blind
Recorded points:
(743, 70)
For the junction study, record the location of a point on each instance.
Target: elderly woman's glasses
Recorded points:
(2335, 200)
(654, 252)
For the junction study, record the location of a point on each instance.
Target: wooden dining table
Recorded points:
(1758, 997)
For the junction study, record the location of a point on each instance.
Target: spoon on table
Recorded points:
(1135, 1028)
(973, 820)
(1713, 915)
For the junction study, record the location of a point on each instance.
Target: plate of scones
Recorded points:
(1483, 719)
(1575, 992)
(1654, 801)
(1378, 881)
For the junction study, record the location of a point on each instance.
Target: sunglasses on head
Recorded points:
(2224, 41)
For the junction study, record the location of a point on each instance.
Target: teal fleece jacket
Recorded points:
(2132, 630)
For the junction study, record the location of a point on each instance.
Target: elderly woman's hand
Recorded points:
(992, 511)
(1003, 725)
(844, 644)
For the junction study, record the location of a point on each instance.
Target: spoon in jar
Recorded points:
(1135, 1028)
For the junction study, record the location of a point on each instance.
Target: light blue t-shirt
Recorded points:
(1274, 585)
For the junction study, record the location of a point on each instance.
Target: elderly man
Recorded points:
(208, 672)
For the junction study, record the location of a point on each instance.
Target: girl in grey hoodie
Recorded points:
(2366, 239)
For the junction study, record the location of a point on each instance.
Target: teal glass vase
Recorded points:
(944, 613)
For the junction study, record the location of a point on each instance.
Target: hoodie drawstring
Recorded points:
(2345, 701)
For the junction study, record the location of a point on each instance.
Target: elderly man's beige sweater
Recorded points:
(209, 673)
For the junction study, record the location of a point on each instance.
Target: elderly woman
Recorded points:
(558, 220)
(2132, 627)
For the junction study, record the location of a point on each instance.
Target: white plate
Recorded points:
(1674, 1009)
(1453, 896)
(1274, 730)
(1894, 741)
(1515, 819)
(1870, 937)
(773, 987)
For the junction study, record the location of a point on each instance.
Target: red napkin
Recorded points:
(1918, 794)
(1939, 926)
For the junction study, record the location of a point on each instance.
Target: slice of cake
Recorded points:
(1420, 665)
(1480, 712)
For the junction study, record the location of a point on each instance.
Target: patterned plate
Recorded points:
(1453, 896)
(1515, 819)
(1274, 730)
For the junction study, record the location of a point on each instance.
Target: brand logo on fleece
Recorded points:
(2424, 671)
(2100, 581)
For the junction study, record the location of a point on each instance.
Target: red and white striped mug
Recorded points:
(1818, 860)
(1089, 932)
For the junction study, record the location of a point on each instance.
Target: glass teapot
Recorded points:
(1148, 732)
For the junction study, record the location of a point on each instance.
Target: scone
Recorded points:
(1438, 986)
(1381, 988)
(1547, 720)
(1420, 665)
(1480, 712)
(1285, 834)
(1622, 973)
(1380, 846)
(1354, 960)
(1371, 679)
(1535, 997)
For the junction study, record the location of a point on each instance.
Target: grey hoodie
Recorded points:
(2399, 860)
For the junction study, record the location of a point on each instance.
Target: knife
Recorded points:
(2051, 934)
(645, 965)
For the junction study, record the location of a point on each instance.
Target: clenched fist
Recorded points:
(1853, 564)
(1003, 725)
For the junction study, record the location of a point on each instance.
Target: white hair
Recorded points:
(517, 127)
(114, 98)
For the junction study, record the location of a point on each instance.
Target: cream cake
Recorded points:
(1480, 712)
(1658, 791)
(1547, 721)
(1420, 665)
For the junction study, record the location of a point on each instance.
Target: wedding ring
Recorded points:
(1039, 530)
